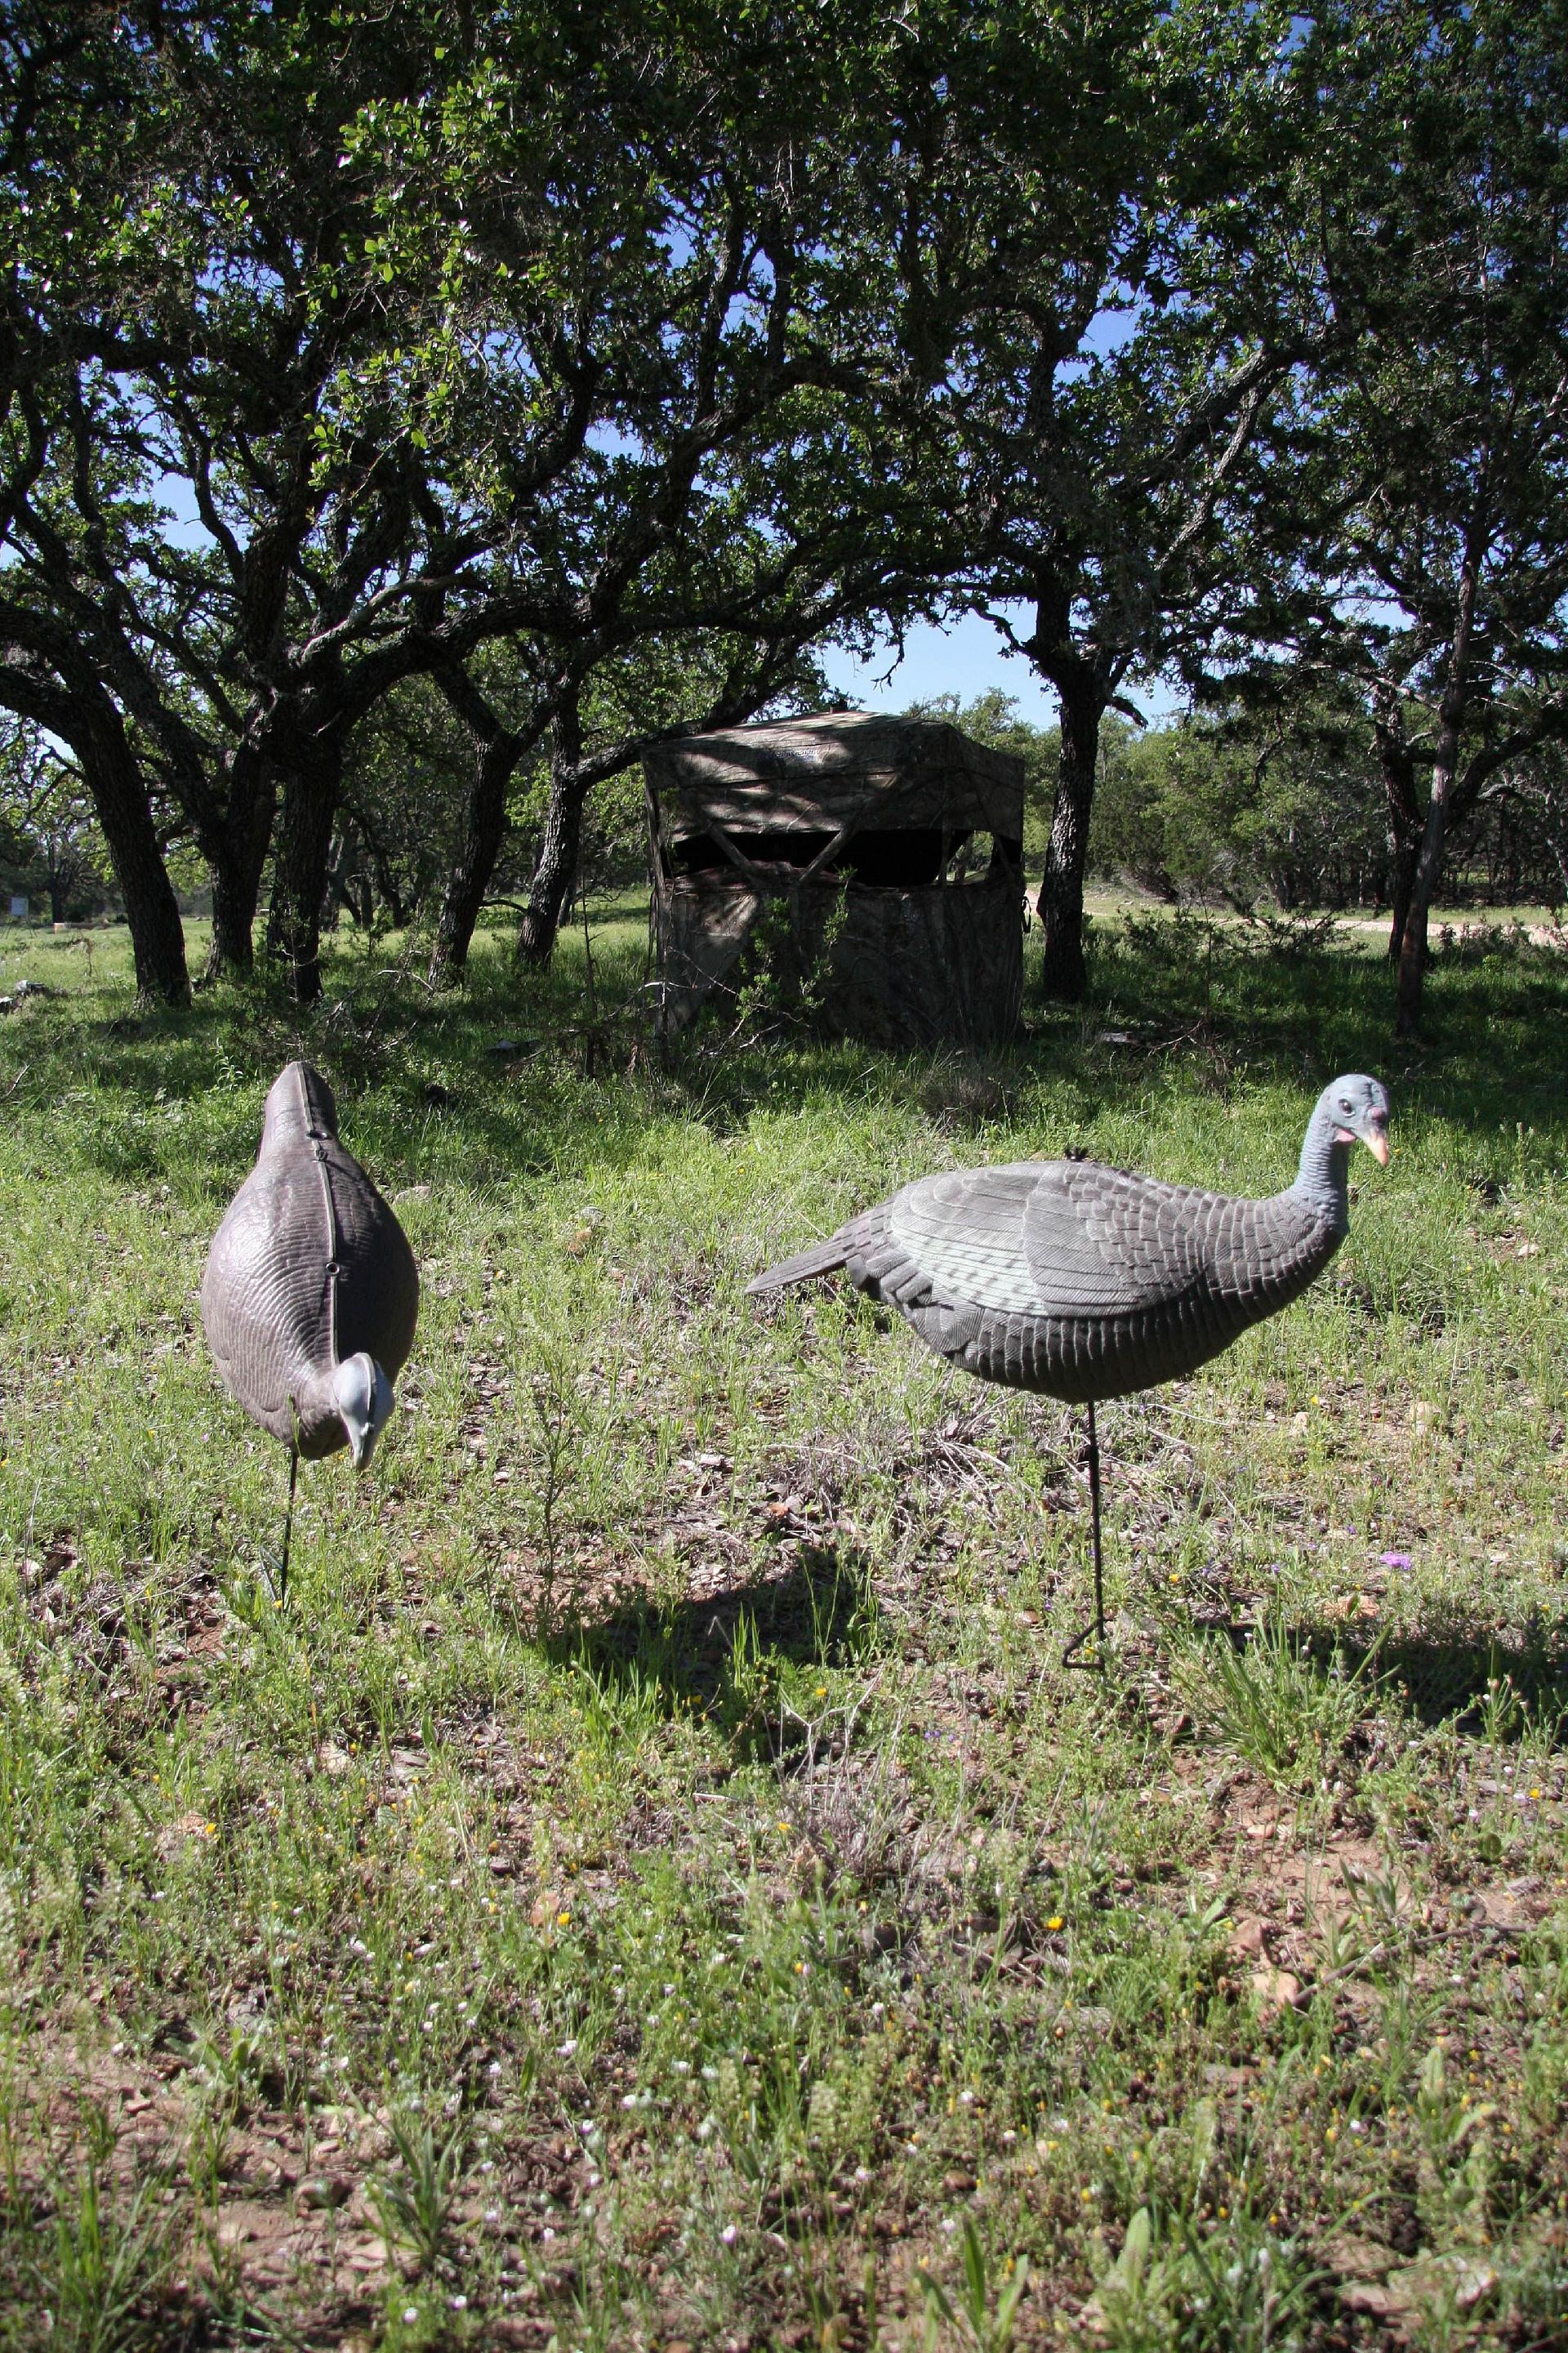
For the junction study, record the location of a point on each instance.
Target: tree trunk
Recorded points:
(235, 856)
(1402, 854)
(1434, 838)
(1404, 826)
(556, 871)
(234, 916)
(44, 676)
(299, 868)
(1060, 902)
(120, 797)
(496, 756)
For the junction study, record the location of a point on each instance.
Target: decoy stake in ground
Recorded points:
(1085, 1283)
(310, 1294)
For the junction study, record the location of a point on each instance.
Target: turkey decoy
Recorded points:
(1087, 1282)
(311, 1293)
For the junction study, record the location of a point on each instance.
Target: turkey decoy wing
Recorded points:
(1052, 1238)
(378, 1284)
(264, 1304)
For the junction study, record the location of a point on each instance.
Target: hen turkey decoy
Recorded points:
(311, 1293)
(1085, 1283)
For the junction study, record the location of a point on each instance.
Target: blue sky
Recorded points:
(966, 658)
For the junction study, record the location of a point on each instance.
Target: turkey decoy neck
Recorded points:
(1352, 1110)
(299, 1106)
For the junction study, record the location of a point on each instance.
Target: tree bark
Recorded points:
(558, 851)
(236, 853)
(1060, 902)
(1398, 769)
(300, 866)
(1434, 838)
(45, 676)
(497, 751)
(234, 916)
(120, 797)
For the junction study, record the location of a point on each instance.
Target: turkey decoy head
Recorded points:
(1359, 1107)
(350, 1405)
(364, 1397)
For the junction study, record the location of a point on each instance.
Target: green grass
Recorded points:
(654, 1884)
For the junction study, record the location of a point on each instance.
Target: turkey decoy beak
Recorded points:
(1374, 1138)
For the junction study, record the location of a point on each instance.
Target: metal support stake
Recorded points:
(288, 1527)
(1095, 1634)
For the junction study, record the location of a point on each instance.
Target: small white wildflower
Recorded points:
(729, 2235)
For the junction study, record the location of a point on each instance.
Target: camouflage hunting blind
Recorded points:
(871, 868)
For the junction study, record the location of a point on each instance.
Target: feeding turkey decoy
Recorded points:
(1086, 1283)
(311, 1293)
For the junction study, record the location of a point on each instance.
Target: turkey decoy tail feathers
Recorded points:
(823, 1258)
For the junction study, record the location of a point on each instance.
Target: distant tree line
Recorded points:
(408, 414)
(1285, 808)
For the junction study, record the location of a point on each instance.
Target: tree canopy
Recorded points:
(549, 381)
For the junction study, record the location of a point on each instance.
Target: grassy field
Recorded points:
(654, 1884)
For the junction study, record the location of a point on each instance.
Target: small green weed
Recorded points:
(1175, 2289)
(1274, 1703)
(982, 2311)
(413, 2199)
(98, 2272)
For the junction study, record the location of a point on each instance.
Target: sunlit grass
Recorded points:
(655, 1881)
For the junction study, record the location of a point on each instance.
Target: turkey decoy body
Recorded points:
(311, 1293)
(1085, 1283)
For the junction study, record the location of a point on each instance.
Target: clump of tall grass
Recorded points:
(1274, 1701)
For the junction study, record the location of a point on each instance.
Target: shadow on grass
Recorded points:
(1177, 1007)
(1506, 1688)
(731, 1655)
